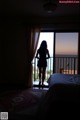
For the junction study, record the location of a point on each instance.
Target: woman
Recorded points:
(42, 55)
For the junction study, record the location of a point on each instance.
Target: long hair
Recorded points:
(43, 45)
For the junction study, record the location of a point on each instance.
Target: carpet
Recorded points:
(18, 100)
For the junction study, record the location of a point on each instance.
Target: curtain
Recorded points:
(32, 42)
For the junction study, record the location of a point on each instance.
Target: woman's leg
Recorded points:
(43, 75)
(39, 75)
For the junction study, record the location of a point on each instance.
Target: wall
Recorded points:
(79, 54)
(13, 57)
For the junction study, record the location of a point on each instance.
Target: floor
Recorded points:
(37, 86)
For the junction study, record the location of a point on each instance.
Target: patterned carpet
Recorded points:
(20, 100)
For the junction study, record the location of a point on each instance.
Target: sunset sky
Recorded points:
(66, 43)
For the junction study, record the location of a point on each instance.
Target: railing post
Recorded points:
(74, 65)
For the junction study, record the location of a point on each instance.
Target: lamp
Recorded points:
(50, 6)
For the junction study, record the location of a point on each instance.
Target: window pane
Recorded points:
(66, 51)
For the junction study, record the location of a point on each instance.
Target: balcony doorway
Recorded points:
(49, 38)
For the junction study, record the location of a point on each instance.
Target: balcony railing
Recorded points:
(65, 65)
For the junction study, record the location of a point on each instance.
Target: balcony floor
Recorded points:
(36, 84)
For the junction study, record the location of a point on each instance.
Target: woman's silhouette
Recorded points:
(42, 55)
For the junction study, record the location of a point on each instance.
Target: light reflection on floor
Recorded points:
(37, 82)
(36, 85)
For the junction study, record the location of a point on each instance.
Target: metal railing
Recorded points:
(65, 65)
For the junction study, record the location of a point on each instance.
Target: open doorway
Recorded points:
(48, 37)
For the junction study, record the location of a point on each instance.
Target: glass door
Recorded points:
(66, 52)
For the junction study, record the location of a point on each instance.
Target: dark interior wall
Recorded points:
(79, 53)
(13, 49)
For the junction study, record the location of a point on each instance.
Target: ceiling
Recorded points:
(35, 7)
(33, 10)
